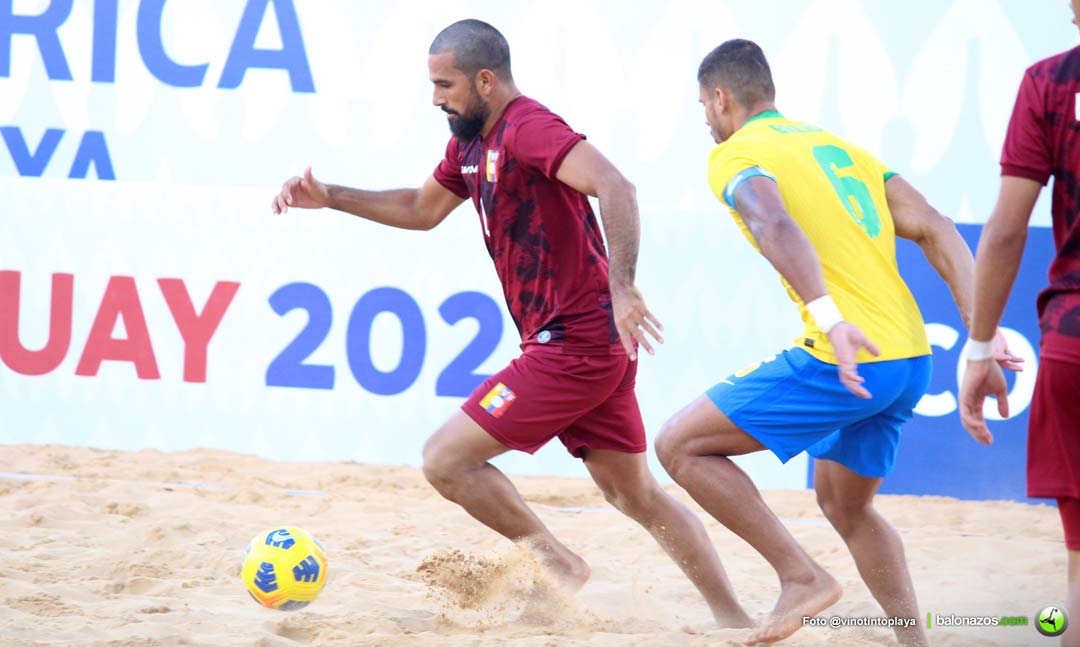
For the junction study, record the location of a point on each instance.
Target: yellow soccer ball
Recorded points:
(284, 568)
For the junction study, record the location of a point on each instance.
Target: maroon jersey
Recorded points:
(1043, 140)
(542, 234)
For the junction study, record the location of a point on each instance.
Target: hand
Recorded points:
(983, 378)
(633, 319)
(1003, 356)
(846, 340)
(304, 192)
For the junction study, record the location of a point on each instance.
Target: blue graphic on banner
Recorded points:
(937, 456)
(44, 28)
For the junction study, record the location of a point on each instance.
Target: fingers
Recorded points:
(287, 190)
(1011, 365)
(628, 344)
(654, 321)
(1002, 403)
(280, 205)
(635, 322)
(642, 339)
(971, 415)
(1008, 361)
(851, 379)
(652, 331)
(871, 347)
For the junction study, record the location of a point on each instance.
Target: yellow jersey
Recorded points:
(835, 192)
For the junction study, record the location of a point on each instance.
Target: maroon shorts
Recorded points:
(587, 401)
(1053, 460)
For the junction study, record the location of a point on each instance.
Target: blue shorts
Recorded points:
(794, 402)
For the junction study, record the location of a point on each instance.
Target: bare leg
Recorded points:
(456, 464)
(694, 447)
(847, 500)
(628, 485)
(1071, 637)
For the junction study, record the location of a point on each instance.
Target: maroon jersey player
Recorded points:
(580, 316)
(1043, 141)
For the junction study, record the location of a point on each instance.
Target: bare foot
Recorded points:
(733, 620)
(568, 571)
(797, 600)
(912, 636)
(551, 595)
(573, 573)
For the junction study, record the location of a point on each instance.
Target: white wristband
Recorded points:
(978, 350)
(825, 313)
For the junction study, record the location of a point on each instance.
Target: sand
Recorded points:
(126, 549)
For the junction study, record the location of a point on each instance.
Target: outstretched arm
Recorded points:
(585, 169)
(422, 208)
(783, 243)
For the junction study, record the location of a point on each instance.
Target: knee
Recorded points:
(438, 469)
(670, 450)
(636, 501)
(845, 516)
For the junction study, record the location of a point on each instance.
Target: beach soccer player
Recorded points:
(579, 314)
(1042, 141)
(826, 214)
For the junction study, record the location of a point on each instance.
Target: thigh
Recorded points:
(701, 429)
(620, 473)
(460, 441)
(615, 424)
(537, 396)
(837, 484)
(1053, 450)
(1069, 509)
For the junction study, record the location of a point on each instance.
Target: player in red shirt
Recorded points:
(579, 314)
(1043, 140)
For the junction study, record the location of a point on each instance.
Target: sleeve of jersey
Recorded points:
(542, 141)
(728, 168)
(448, 172)
(879, 167)
(1026, 152)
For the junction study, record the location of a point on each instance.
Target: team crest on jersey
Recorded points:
(492, 166)
(498, 400)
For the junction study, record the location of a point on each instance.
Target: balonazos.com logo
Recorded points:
(1051, 621)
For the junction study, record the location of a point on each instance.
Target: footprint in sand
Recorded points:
(295, 632)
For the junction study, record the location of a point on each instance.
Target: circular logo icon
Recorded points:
(544, 336)
(1051, 621)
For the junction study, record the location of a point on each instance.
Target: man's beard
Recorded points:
(467, 126)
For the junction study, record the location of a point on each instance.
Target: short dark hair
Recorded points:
(476, 46)
(740, 66)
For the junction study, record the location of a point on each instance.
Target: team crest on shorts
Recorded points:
(498, 400)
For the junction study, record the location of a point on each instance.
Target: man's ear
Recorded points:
(722, 97)
(485, 82)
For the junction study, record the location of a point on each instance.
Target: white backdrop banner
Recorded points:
(148, 297)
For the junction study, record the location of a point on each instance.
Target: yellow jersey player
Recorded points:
(826, 214)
